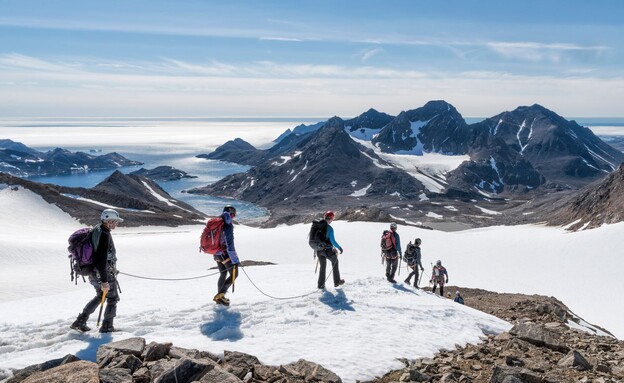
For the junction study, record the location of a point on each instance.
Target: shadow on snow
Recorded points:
(337, 301)
(225, 326)
(93, 343)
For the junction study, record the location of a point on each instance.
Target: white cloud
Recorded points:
(35, 87)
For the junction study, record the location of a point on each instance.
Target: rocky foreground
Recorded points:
(540, 348)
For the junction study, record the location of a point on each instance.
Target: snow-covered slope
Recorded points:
(357, 331)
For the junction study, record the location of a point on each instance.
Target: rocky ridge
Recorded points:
(541, 347)
(139, 200)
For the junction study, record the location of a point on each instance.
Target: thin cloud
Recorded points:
(369, 53)
(280, 39)
(536, 52)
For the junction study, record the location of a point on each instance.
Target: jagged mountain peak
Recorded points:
(435, 127)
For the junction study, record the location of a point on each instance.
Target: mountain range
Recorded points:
(20, 160)
(379, 161)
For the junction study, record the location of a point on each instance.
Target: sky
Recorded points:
(335, 327)
(154, 58)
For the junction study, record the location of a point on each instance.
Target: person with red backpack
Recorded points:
(391, 249)
(226, 256)
(329, 250)
(104, 274)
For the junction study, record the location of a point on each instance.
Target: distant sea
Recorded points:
(155, 142)
(175, 142)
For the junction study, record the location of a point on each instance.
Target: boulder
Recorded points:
(128, 362)
(314, 372)
(575, 360)
(133, 346)
(219, 375)
(24, 373)
(156, 369)
(539, 335)
(186, 370)
(115, 375)
(76, 372)
(503, 374)
(155, 351)
(239, 363)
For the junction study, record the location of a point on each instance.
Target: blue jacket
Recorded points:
(330, 237)
(228, 237)
(397, 241)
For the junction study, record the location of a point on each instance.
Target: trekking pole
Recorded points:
(233, 277)
(101, 307)
(400, 264)
(316, 268)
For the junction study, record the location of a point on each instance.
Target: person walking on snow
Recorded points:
(412, 258)
(439, 276)
(103, 276)
(227, 259)
(329, 253)
(391, 247)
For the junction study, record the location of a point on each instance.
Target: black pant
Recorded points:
(112, 297)
(414, 273)
(437, 282)
(392, 261)
(323, 256)
(225, 281)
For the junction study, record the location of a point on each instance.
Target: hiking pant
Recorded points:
(225, 281)
(439, 281)
(323, 256)
(112, 297)
(414, 272)
(392, 261)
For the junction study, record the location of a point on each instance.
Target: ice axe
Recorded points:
(101, 307)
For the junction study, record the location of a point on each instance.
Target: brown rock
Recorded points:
(76, 372)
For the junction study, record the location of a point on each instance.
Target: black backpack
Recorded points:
(318, 234)
(410, 253)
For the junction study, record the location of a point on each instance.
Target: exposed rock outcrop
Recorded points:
(127, 361)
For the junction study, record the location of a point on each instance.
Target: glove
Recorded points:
(341, 250)
(105, 288)
(446, 281)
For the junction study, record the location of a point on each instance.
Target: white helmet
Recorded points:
(110, 215)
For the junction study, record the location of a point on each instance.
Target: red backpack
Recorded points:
(210, 241)
(387, 240)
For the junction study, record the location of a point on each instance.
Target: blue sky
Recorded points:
(152, 58)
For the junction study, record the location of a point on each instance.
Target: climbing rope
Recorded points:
(329, 274)
(168, 279)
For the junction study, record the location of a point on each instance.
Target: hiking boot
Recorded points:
(107, 327)
(408, 281)
(220, 299)
(80, 326)
(340, 283)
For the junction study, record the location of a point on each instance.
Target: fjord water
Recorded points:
(155, 143)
